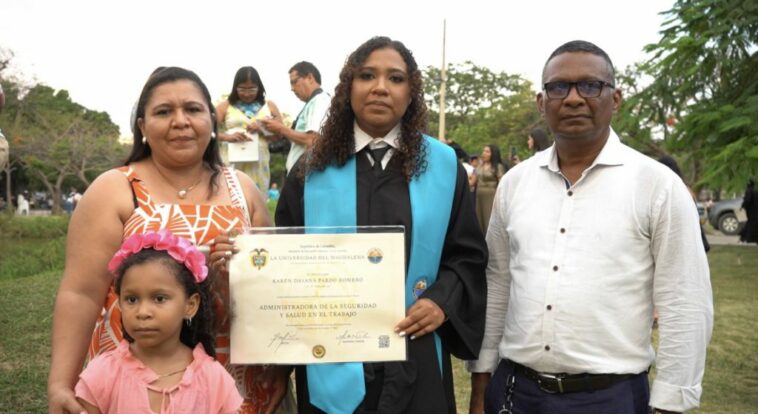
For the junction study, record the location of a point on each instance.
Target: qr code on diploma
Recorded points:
(384, 341)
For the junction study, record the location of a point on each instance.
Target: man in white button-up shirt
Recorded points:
(585, 239)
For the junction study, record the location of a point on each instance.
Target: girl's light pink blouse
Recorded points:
(117, 382)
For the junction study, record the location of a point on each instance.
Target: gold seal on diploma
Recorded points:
(319, 351)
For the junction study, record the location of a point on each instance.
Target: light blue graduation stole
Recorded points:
(331, 200)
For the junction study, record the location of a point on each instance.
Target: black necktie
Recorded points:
(378, 155)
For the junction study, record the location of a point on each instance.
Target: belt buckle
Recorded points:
(558, 379)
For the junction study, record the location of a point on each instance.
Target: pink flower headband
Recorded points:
(179, 248)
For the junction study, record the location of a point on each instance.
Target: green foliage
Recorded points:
(31, 245)
(43, 227)
(470, 87)
(482, 106)
(53, 138)
(636, 119)
(277, 167)
(31, 256)
(271, 207)
(703, 71)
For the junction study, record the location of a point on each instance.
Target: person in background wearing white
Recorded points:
(305, 81)
(23, 204)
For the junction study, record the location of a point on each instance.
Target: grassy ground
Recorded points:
(731, 375)
(30, 269)
(26, 306)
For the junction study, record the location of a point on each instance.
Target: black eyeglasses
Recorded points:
(585, 88)
(293, 81)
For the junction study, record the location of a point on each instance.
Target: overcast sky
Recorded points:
(102, 51)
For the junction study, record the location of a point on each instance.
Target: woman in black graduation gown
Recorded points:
(374, 126)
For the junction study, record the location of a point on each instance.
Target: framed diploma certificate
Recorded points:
(246, 151)
(328, 295)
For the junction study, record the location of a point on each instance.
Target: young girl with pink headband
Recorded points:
(166, 362)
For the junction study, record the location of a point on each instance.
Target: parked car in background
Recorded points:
(40, 200)
(723, 216)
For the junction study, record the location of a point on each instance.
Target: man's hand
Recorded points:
(479, 381)
(276, 377)
(274, 125)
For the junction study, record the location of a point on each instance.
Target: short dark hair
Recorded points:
(304, 68)
(540, 138)
(670, 162)
(244, 74)
(459, 152)
(582, 46)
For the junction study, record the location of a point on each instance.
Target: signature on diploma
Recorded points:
(347, 336)
(282, 338)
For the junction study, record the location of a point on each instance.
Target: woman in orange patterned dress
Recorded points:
(173, 179)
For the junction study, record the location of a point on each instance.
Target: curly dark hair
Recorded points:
(201, 330)
(337, 141)
(141, 150)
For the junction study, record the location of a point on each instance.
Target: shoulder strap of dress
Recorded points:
(140, 196)
(236, 193)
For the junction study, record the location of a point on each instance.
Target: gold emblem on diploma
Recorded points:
(259, 258)
(319, 351)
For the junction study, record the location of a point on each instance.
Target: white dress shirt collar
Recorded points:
(611, 154)
(362, 138)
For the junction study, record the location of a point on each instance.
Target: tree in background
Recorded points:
(633, 121)
(53, 138)
(703, 94)
(482, 106)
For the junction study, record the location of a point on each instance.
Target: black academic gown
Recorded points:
(414, 386)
